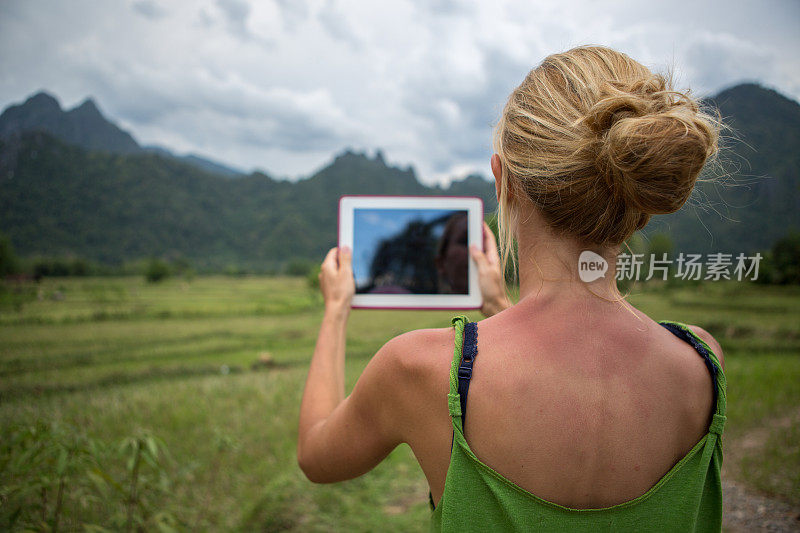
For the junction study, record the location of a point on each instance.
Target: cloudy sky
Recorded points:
(284, 85)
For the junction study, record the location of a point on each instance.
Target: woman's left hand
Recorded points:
(490, 275)
(336, 279)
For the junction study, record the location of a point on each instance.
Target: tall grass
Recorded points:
(126, 405)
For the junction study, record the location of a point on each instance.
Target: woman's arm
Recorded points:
(324, 389)
(340, 438)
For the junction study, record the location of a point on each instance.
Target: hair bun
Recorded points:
(609, 110)
(650, 148)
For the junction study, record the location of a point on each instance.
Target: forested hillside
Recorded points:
(58, 199)
(77, 186)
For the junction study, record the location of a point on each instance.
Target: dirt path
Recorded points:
(744, 509)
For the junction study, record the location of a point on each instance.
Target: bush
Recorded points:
(61, 266)
(157, 270)
(766, 270)
(299, 268)
(180, 266)
(313, 277)
(53, 477)
(79, 267)
(236, 271)
(781, 264)
(8, 259)
(785, 260)
(16, 295)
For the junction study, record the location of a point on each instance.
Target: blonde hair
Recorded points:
(599, 144)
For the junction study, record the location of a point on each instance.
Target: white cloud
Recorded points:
(714, 59)
(148, 9)
(236, 13)
(284, 84)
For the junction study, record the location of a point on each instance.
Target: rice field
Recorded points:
(173, 406)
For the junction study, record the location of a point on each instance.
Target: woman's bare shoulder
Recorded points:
(711, 341)
(421, 351)
(416, 369)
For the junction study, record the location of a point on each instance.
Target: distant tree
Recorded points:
(298, 268)
(313, 277)
(180, 266)
(659, 247)
(9, 264)
(62, 267)
(660, 243)
(234, 270)
(634, 245)
(766, 270)
(79, 267)
(42, 267)
(785, 259)
(156, 270)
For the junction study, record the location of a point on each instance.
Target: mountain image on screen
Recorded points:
(410, 251)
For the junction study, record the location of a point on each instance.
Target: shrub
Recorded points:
(313, 277)
(61, 266)
(299, 268)
(8, 259)
(786, 260)
(53, 476)
(157, 270)
(234, 270)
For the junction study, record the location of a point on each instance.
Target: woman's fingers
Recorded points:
(490, 277)
(345, 259)
(338, 261)
(329, 263)
(479, 258)
(336, 278)
(490, 245)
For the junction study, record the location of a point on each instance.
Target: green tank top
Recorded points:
(477, 498)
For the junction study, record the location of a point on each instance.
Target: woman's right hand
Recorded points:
(490, 275)
(336, 280)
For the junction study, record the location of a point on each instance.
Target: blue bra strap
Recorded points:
(688, 337)
(468, 354)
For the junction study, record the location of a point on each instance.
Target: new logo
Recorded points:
(591, 266)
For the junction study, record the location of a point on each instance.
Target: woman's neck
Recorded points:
(551, 265)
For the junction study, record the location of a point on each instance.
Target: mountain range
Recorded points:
(85, 126)
(70, 186)
(74, 183)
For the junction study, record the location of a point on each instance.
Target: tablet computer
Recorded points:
(411, 252)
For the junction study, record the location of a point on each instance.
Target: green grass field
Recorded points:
(174, 406)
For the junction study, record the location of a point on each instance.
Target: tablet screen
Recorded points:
(410, 251)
